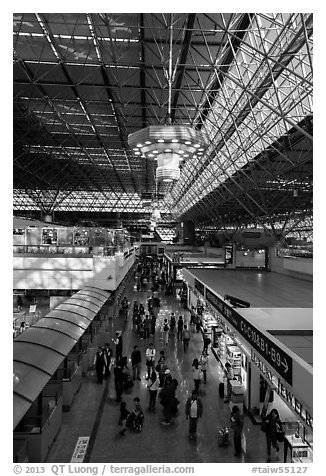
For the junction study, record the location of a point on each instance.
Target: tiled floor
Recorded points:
(95, 412)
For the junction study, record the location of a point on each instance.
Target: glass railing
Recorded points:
(100, 251)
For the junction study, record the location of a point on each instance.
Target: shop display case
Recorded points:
(298, 445)
(208, 321)
(234, 357)
(299, 451)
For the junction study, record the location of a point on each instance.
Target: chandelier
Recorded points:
(170, 145)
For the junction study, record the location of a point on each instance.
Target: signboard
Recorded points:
(80, 450)
(271, 352)
(200, 287)
(228, 254)
(282, 391)
(32, 308)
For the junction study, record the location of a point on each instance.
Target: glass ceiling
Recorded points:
(83, 82)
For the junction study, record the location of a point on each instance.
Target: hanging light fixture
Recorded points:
(169, 144)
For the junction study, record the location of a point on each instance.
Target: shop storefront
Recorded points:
(262, 373)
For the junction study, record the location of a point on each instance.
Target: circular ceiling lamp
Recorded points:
(170, 145)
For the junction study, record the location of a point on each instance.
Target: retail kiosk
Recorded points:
(269, 352)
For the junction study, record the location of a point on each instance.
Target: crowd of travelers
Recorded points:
(161, 384)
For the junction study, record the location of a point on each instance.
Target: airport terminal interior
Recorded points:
(162, 238)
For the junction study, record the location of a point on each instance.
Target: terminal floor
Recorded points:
(95, 412)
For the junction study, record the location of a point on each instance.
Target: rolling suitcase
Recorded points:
(221, 389)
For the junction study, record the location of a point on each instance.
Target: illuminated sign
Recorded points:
(271, 352)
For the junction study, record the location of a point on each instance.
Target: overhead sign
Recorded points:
(282, 391)
(271, 352)
(200, 287)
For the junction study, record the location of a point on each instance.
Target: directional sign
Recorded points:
(271, 352)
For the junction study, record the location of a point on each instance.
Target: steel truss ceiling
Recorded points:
(83, 82)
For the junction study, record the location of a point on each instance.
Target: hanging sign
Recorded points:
(271, 352)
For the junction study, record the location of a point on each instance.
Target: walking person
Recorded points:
(172, 323)
(137, 415)
(206, 341)
(118, 345)
(185, 338)
(118, 380)
(136, 363)
(166, 332)
(197, 375)
(124, 414)
(237, 426)
(203, 361)
(161, 367)
(108, 354)
(100, 364)
(272, 427)
(152, 323)
(194, 410)
(146, 327)
(153, 387)
(179, 327)
(150, 360)
(167, 398)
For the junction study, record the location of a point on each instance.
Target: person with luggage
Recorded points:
(100, 363)
(179, 327)
(153, 387)
(166, 329)
(150, 360)
(194, 410)
(185, 338)
(124, 415)
(237, 426)
(136, 363)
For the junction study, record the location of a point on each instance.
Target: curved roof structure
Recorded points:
(83, 82)
(39, 350)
